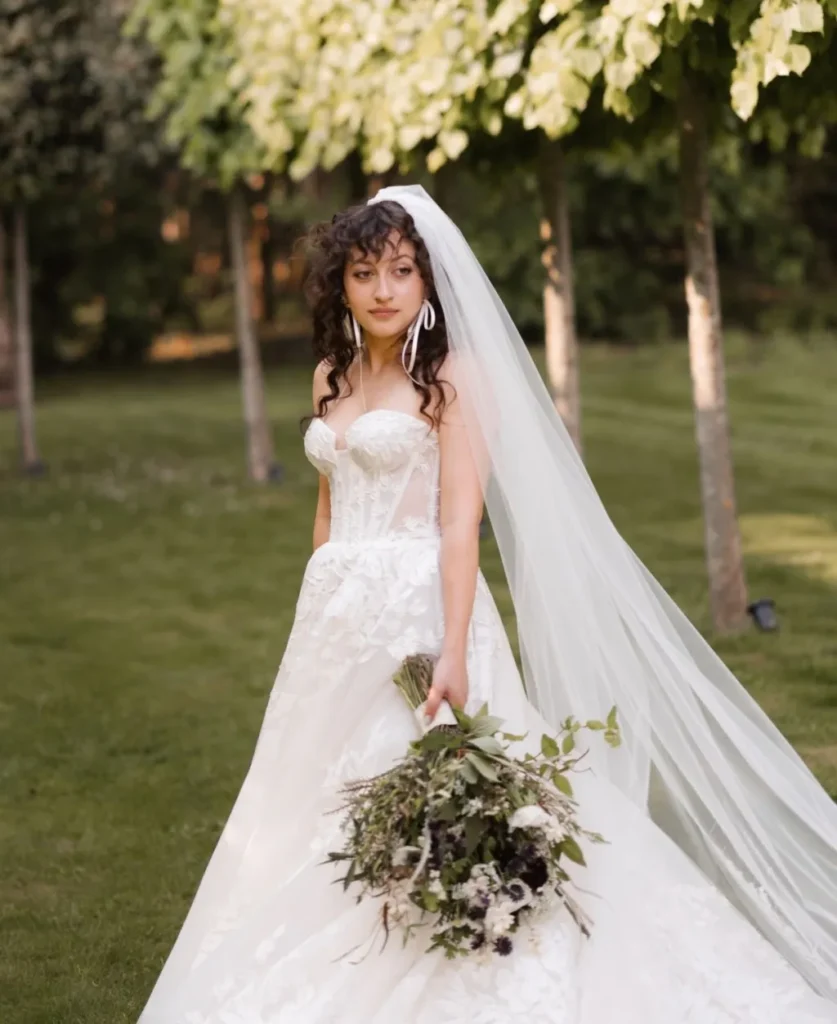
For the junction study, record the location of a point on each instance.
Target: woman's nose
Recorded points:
(383, 292)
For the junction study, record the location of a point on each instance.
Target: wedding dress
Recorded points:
(267, 937)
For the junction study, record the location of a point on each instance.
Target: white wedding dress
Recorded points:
(265, 938)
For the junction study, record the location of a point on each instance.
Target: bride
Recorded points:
(714, 899)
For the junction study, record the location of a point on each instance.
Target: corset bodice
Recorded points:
(383, 477)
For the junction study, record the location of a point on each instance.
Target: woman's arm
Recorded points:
(460, 512)
(322, 515)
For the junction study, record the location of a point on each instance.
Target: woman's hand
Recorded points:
(450, 683)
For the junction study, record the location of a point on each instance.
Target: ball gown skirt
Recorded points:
(267, 936)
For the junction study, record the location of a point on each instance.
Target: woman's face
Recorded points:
(385, 293)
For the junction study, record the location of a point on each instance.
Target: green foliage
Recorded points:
(71, 96)
(392, 77)
(206, 116)
(105, 282)
(775, 220)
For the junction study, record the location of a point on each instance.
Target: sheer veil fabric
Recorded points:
(596, 629)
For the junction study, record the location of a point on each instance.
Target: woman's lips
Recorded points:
(383, 314)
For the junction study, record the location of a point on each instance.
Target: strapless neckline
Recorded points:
(365, 415)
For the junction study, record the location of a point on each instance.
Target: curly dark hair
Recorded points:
(367, 228)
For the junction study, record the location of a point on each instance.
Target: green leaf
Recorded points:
(611, 718)
(562, 783)
(348, 878)
(447, 811)
(549, 748)
(745, 96)
(571, 849)
(568, 744)
(485, 768)
(474, 830)
(438, 739)
(809, 16)
(488, 745)
(430, 901)
(485, 725)
(799, 57)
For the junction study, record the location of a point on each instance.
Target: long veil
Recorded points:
(596, 629)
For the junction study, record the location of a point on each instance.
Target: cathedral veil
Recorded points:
(596, 629)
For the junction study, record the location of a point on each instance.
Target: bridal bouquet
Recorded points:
(463, 835)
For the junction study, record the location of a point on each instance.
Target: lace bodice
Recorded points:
(383, 475)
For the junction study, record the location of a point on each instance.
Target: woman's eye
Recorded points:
(361, 275)
(404, 271)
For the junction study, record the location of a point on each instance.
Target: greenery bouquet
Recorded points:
(462, 836)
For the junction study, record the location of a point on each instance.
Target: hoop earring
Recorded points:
(426, 318)
(352, 329)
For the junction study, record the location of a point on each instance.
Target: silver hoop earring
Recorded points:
(352, 329)
(426, 318)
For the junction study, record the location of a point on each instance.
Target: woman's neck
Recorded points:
(380, 354)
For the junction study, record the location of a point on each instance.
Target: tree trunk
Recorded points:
(259, 441)
(562, 362)
(24, 376)
(375, 182)
(358, 187)
(7, 351)
(727, 586)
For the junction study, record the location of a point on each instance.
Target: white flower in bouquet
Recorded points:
(405, 855)
(435, 886)
(531, 816)
(400, 906)
(499, 920)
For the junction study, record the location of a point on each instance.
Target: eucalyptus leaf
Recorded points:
(562, 783)
(571, 849)
(486, 726)
(474, 831)
(549, 748)
(484, 767)
(488, 745)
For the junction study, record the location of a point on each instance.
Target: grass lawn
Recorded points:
(147, 590)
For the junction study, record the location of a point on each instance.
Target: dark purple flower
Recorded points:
(503, 945)
(515, 891)
(536, 874)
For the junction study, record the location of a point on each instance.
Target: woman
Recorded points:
(715, 899)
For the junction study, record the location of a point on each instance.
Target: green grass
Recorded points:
(147, 590)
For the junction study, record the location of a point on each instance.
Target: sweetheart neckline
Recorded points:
(363, 415)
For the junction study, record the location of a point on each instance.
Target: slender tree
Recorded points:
(7, 350)
(46, 126)
(688, 55)
(206, 120)
(70, 114)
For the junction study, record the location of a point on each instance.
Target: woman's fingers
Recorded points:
(434, 699)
